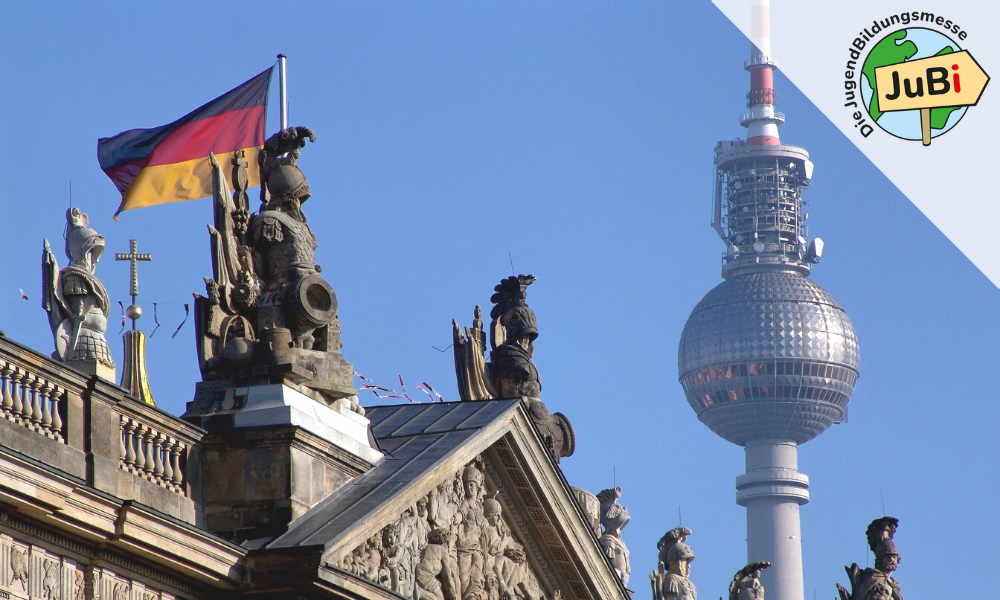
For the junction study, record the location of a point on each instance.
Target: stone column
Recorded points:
(772, 490)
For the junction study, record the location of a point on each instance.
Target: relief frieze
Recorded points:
(452, 544)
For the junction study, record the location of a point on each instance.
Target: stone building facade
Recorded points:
(264, 492)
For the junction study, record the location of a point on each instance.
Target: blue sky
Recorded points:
(577, 138)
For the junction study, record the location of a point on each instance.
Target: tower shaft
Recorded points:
(772, 489)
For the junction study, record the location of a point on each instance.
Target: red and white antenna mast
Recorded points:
(762, 120)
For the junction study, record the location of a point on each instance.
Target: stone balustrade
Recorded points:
(31, 399)
(152, 454)
(93, 430)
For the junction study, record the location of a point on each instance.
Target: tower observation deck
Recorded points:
(768, 359)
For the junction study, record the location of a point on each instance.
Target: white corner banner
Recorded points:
(880, 71)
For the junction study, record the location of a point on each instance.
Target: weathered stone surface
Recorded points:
(262, 479)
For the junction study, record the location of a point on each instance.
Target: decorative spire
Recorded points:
(134, 377)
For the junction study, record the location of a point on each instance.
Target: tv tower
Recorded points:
(768, 359)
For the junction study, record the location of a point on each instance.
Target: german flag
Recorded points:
(170, 163)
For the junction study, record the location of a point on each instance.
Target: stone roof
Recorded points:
(415, 438)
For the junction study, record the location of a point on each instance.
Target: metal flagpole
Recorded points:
(283, 97)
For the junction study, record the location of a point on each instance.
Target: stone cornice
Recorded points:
(103, 524)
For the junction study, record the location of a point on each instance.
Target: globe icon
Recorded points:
(912, 43)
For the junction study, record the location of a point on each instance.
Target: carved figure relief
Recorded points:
(120, 591)
(511, 372)
(746, 583)
(591, 508)
(74, 298)
(877, 583)
(614, 518)
(670, 581)
(452, 544)
(79, 587)
(50, 579)
(19, 566)
(267, 303)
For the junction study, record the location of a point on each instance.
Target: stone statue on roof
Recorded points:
(746, 583)
(877, 583)
(670, 581)
(268, 311)
(511, 372)
(75, 300)
(614, 518)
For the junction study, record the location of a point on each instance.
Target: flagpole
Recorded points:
(283, 96)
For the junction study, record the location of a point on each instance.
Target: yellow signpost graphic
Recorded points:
(946, 80)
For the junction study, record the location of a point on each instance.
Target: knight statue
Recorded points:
(670, 581)
(746, 583)
(269, 315)
(75, 299)
(614, 518)
(511, 373)
(877, 583)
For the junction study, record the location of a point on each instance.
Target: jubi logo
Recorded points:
(915, 83)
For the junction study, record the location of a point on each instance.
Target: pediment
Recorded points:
(520, 532)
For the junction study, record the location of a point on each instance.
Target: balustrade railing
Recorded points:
(51, 399)
(152, 454)
(31, 400)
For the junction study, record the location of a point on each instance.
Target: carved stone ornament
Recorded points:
(50, 579)
(19, 566)
(268, 311)
(79, 588)
(746, 583)
(120, 591)
(591, 508)
(877, 583)
(75, 300)
(614, 518)
(511, 373)
(670, 581)
(453, 544)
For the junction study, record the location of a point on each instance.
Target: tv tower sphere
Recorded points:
(768, 354)
(768, 359)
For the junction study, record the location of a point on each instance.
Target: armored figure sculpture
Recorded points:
(877, 583)
(746, 583)
(511, 373)
(268, 311)
(614, 518)
(670, 581)
(74, 298)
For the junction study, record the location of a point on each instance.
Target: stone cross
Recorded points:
(133, 257)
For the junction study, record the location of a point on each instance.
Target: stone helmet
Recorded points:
(519, 321)
(886, 547)
(287, 182)
(84, 246)
(614, 516)
(491, 506)
(510, 309)
(279, 172)
(471, 473)
(679, 551)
